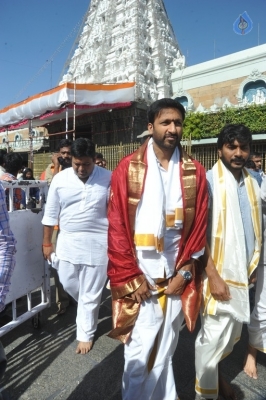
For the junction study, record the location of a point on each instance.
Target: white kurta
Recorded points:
(81, 211)
(81, 251)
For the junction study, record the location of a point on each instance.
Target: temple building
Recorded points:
(127, 41)
(19, 140)
(124, 41)
(235, 80)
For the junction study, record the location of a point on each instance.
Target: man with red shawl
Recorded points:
(157, 224)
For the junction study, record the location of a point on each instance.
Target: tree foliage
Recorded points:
(203, 125)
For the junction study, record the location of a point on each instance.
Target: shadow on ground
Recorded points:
(42, 364)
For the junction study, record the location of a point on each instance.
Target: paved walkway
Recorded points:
(42, 364)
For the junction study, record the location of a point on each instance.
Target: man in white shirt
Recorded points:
(78, 198)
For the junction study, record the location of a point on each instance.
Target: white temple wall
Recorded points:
(219, 80)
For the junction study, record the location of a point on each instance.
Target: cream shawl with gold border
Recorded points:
(228, 247)
(161, 205)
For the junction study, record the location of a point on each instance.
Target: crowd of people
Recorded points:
(174, 242)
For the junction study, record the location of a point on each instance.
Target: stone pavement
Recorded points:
(42, 364)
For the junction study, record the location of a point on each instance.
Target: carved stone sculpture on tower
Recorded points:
(127, 40)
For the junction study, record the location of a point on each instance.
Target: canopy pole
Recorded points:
(66, 122)
(74, 112)
(7, 141)
(31, 144)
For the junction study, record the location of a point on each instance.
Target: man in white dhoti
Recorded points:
(77, 199)
(233, 251)
(257, 326)
(157, 226)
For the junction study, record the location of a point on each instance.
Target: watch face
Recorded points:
(187, 275)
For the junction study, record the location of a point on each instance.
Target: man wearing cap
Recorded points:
(157, 223)
(144, 136)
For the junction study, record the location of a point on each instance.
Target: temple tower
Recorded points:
(126, 40)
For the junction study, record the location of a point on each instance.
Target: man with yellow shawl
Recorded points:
(232, 255)
(157, 226)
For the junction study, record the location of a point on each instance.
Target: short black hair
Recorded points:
(255, 154)
(99, 155)
(250, 164)
(2, 156)
(64, 143)
(232, 132)
(25, 172)
(13, 163)
(83, 147)
(156, 107)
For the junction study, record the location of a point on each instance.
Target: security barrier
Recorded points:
(31, 275)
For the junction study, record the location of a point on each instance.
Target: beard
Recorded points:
(164, 144)
(66, 165)
(234, 164)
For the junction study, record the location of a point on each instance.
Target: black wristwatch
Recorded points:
(187, 275)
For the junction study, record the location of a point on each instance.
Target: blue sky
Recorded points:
(34, 32)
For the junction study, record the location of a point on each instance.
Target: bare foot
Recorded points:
(250, 367)
(226, 390)
(84, 347)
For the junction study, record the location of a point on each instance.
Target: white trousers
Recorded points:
(257, 326)
(215, 340)
(85, 284)
(158, 384)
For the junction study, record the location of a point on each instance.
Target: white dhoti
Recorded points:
(257, 326)
(85, 284)
(215, 340)
(153, 333)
